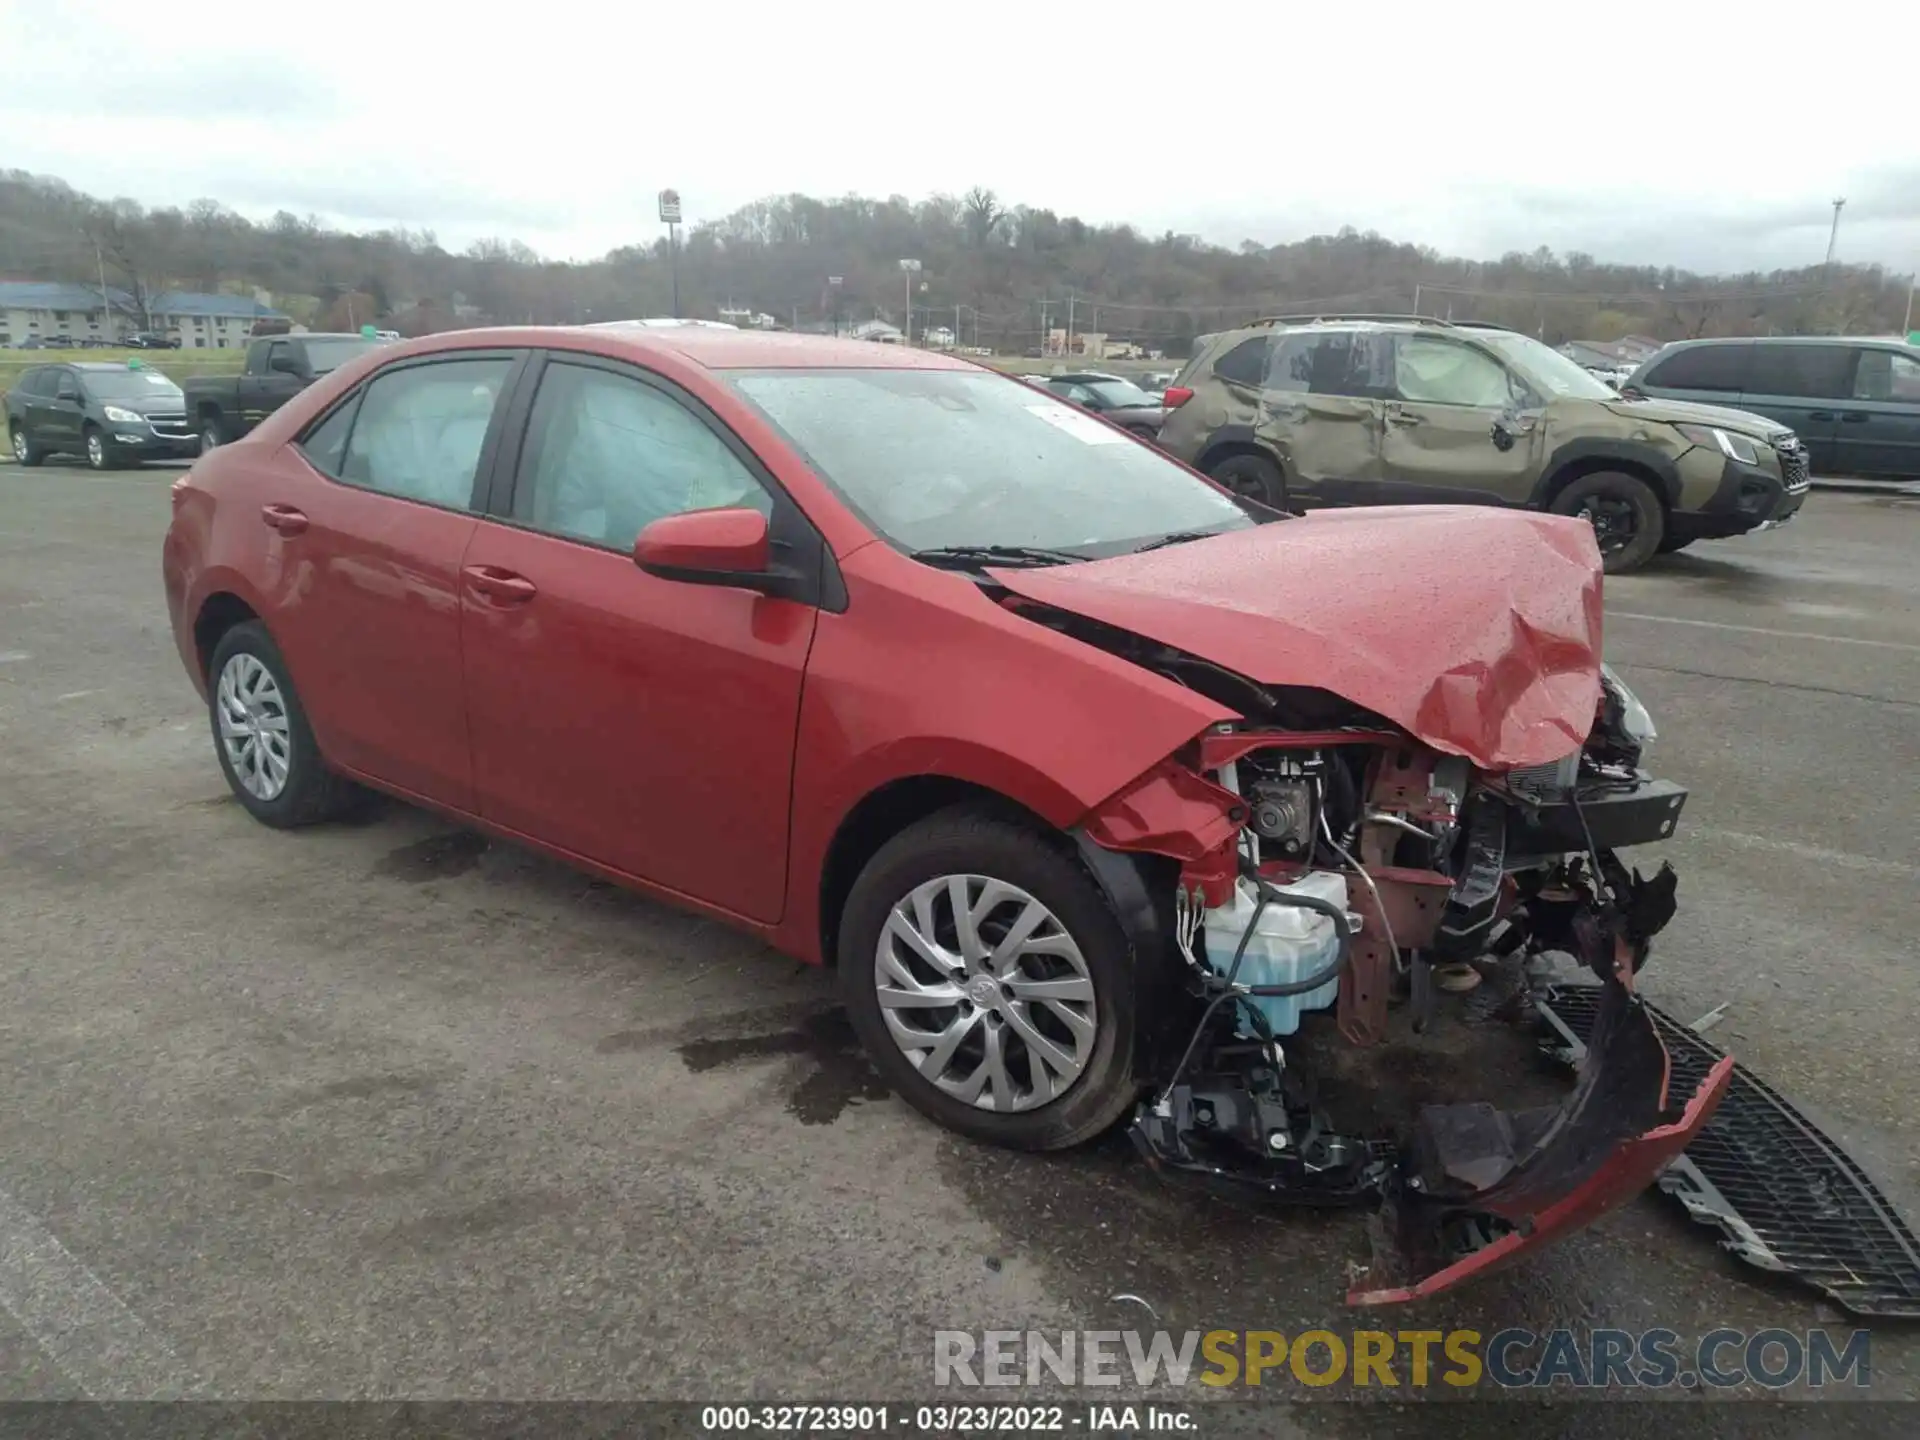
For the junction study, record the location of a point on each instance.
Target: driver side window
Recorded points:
(608, 455)
(1441, 372)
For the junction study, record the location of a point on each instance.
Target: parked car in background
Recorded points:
(1112, 397)
(1386, 410)
(151, 340)
(902, 666)
(1854, 403)
(278, 367)
(33, 342)
(113, 414)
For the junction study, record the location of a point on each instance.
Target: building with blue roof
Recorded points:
(49, 309)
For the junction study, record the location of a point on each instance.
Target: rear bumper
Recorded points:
(1748, 498)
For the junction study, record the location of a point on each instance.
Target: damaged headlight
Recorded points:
(1743, 448)
(1633, 717)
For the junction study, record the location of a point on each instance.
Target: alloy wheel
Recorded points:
(253, 726)
(1615, 523)
(986, 993)
(96, 451)
(20, 446)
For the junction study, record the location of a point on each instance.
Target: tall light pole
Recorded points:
(834, 283)
(909, 268)
(1833, 235)
(670, 217)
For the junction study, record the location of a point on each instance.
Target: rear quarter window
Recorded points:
(1245, 363)
(1701, 367)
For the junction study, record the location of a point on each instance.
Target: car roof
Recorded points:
(711, 349)
(1890, 341)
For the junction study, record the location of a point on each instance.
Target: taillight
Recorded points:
(1176, 396)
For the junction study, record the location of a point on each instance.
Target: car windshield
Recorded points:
(1546, 369)
(937, 458)
(130, 385)
(1119, 392)
(326, 355)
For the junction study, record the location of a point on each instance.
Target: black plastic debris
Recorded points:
(1785, 1196)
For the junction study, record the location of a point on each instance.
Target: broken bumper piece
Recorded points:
(1475, 1188)
(1784, 1195)
(1478, 1187)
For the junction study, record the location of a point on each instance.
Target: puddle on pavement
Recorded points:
(839, 1076)
(438, 857)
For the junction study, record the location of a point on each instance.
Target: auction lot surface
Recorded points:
(384, 1110)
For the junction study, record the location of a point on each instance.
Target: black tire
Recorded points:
(99, 451)
(312, 792)
(212, 436)
(1672, 543)
(971, 841)
(1253, 476)
(1628, 521)
(25, 452)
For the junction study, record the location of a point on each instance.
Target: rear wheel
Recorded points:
(24, 450)
(1254, 477)
(261, 735)
(990, 981)
(211, 435)
(1628, 523)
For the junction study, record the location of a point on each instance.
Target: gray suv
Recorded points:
(1855, 404)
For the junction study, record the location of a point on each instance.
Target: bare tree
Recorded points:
(983, 213)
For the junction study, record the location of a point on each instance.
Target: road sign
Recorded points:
(669, 207)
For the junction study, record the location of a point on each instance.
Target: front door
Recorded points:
(64, 414)
(366, 554)
(641, 723)
(1879, 427)
(1459, 428)
(1320, 408)
(262, 393)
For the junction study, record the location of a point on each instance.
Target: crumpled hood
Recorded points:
(1685, 412)
(1476, 630)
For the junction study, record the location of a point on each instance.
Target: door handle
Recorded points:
(1820, 414)
(1402, 417)
(501, 585)
(284, 518)
(1855, 417)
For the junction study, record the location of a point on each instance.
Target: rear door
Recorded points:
(365, 522)
(1321, 406)
(1802, 386)
(25, 402)
(1460, 428)
(1879, 430)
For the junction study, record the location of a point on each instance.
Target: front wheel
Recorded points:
(1628, 523)
(100, 455)
(24, 450)
(991, 982)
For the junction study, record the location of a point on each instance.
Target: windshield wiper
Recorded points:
(963, 557)
(1178, 537)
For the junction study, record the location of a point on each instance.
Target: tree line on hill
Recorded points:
(1000, 275)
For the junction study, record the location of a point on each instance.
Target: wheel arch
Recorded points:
(1578, 458)
(218, 613)
(1230, 440)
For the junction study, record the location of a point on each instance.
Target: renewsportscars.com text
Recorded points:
(1383, 1359)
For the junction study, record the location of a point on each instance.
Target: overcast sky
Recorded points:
(1712, 137)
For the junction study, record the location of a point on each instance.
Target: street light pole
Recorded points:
(670, 217)
(1833, 235)
(909, 268)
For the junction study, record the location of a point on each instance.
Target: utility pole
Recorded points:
(956, 326)
(106, 305)
(1906, 327)
(1833, 236)
(909, 268)
(1416, 297)
(1069, 322)
(670, 217)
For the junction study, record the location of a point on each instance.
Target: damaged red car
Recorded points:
(1111, 797)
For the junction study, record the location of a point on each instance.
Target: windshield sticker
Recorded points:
(1084, 428)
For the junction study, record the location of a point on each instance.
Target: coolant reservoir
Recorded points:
(1289, 944)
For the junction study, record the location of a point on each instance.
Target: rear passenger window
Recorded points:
(1355, 363)
(419, 430)
(1246, 363)
(1701, 367)
(606, 456)
(1815, 372)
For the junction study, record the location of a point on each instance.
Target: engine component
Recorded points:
(1277, 944)
(1279, 789)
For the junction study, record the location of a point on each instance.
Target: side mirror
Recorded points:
(715, 547)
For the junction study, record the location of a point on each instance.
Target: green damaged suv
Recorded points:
(1304, 412)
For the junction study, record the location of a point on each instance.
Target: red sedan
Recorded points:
(1094, 782)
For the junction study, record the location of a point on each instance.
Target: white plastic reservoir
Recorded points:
(1289, 944)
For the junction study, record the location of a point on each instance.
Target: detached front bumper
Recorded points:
(1481, 1187)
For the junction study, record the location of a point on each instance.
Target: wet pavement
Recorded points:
(388, 1109)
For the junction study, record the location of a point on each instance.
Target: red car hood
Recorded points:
(1476, 630)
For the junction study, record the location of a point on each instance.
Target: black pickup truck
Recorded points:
(225, 407)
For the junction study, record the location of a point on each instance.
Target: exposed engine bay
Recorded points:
(1331, 865)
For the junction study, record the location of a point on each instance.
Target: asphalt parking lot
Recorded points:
(386, 1110)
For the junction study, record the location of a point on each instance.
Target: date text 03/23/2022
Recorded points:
(942, 1419)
